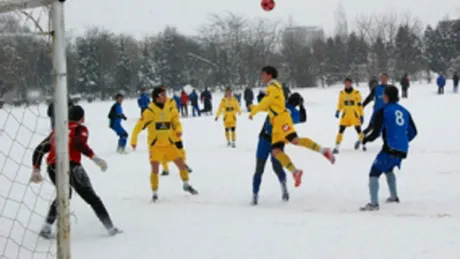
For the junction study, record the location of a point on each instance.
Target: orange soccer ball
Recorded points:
(267, 5)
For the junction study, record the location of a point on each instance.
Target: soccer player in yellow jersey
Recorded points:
(230, 107)
(283, 128)
(177, 140)
(351, 109)
(162, 123)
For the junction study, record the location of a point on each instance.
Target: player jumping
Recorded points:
(282, 126)
(79, 180)
(350, 107)
(398, 129)
(162, 121)
(230, 107)
(264, 148)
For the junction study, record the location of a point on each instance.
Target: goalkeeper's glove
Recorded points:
(100, 162)
(36, 176)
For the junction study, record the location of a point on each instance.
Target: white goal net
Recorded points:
(32, 75)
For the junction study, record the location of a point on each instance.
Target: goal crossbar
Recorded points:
(17, 5)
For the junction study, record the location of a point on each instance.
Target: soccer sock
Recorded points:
(154, 181)
(256, 181)
(227, 134)
(182, 153)
(184, 175)
(308, 143)
(233, 136)
(374, 189)
(361, 137)
(165, 166)
(339, 139)
(391, 181)
(285, 161)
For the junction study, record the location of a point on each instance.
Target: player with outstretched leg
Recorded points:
(264, 149)
(283, 130)
(79, 179)
(398, 129)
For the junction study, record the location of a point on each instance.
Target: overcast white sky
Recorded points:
(142, 17)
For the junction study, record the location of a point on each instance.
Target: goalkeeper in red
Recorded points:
(79, 180)
(283, 130)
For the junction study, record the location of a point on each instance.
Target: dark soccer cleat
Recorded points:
(370, 207)
(285, 196)
(392, 200)
(46, 233)
(233, 145)
(229, 144)
(335, 151)
(357, 144)
(114, 231)
(255, 200)
(190, 189)
(364, 148)
(189, 169)
(165, 173)
(155, 197)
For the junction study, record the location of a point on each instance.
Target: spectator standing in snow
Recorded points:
(405, 83)
(455, 79)
(441, 82)
(184, 103)
(193, 97)
(206, 98)
(248, 98)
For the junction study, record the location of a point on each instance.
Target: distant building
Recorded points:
(308, 34)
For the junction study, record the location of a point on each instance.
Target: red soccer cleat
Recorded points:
(297, 177)
(329, 156)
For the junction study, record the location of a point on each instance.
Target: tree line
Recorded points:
(228, 51)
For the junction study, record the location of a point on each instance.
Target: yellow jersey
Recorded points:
(162, 124)
(350, 102)
(273, 102)
(229, 107)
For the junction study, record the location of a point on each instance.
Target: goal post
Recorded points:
(59, 79)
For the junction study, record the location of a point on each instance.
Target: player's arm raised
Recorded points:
(265, 102)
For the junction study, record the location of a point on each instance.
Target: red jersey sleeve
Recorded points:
(81, 141)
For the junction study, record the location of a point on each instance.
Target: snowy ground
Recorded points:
(320, 221)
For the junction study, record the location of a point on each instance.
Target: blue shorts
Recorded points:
(264, 149)
(386, 163)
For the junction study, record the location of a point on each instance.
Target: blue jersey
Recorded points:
(376, 95)
(143, 101)
(298, 116)
(116, 115)
(397, 127)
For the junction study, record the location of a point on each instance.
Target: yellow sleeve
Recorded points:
(145, 119)
(221, 107)
(359, 103)
(265, 103)
(177, 126)
(340, 102)
(238, 108)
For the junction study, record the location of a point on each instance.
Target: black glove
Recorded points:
(123, 117)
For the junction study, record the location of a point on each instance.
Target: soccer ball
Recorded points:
(268, 5)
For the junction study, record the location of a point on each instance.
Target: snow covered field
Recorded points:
(320, 221)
